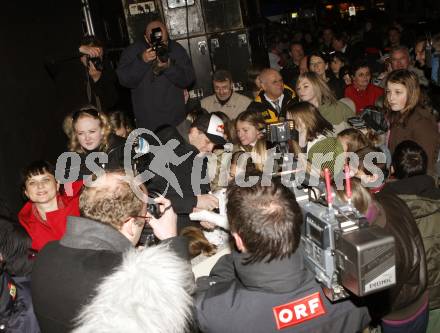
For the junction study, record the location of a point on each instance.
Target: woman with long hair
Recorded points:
(310, 124)
(408, 117)
(313, 89)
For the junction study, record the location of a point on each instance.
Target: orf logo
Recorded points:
(298, 311)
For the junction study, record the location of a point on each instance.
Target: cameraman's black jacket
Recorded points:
(241, 298)
(157, 99)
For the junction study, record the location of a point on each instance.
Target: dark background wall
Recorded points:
(32, 103)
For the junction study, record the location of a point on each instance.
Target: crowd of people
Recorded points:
(113, 237)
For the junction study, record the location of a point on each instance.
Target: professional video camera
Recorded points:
(280, 134)
(156, 39)
(343, 250)
(97, 62)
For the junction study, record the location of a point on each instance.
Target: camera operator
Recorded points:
(101, 80)
(157, 70)
(265, 286)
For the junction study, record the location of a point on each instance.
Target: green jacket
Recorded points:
(336, 113)
(426, 212)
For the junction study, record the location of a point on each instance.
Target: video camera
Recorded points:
(343, 251)
(280, 134)
(156, 39)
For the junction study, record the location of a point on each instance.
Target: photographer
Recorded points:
(67, 272)
(100, 79)
(157, 70)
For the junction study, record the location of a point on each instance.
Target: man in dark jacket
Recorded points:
(67, 272)
(185, 183)
(156, 80)
(101, 81)
(266, 287)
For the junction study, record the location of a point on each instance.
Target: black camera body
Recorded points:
(281, 132)
(147, 237)
(153, 208)
(158, 45)
(97, 62)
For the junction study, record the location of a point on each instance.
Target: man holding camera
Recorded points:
(265, 286)
(67, 272)
(101, 80)
(157, 70)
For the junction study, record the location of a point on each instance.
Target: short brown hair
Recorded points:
(410, 81)
(267, 218)
(110, 200)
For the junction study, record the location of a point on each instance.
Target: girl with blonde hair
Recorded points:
(313, 89)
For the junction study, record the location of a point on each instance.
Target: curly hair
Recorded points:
(91, 112)
(110, 200)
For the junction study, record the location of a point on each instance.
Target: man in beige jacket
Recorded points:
(224, 98)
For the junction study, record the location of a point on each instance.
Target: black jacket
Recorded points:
(16, 310)
(241, 298)
(157, 100)
(67, 272)
(104, 92)
(290, 73)
(188, 173)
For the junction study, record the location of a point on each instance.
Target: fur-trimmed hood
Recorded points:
(148, 292)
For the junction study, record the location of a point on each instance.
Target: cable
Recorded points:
(187, 30)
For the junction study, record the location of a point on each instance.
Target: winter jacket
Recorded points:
(236, 104)
(421, 127)
(363, 98)
(247, 298)
(271, 115)
(423, 199)
(160, 276)
(67, 272)
(157, 99)
(336, 113)
(41, 232)
(409, 294)
(16, 310)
